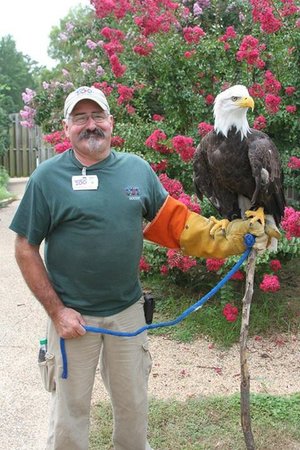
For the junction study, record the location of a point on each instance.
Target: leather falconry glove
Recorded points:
(177, 227)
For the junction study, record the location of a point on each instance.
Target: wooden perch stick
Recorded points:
(245, 376)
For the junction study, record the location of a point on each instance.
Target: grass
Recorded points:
(4, 194)
(277, 311)
(211, 423)
(4, 177)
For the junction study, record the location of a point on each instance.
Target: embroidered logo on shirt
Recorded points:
(132, 192)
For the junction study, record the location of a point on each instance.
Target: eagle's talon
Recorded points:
(257, 215)
(218, 225)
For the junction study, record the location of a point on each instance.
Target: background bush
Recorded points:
(161, 64)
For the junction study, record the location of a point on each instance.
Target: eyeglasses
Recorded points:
(82, 119)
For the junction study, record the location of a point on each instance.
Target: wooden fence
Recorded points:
(26, 149)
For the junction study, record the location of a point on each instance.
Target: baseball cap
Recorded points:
(85, 93)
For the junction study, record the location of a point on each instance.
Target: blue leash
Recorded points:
(249, 241)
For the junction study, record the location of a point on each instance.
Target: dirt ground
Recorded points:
(182, 370)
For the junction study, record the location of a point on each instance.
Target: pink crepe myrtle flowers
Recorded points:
(250, 51)
(291, 222)
(239, 275)
(270, 283)
(184, 146)
(192, 35)
(144, 266)
(175, 189)
(160, 166)
(294, 163)
(144, 47)
(275, 265)
(213, 265)
(272, 103)
(230, 312)
(180, 261)
(204, 128)
(260, 123)
(229, 34)
(156, 142)
(58, 139)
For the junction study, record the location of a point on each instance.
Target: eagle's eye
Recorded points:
(234, 99)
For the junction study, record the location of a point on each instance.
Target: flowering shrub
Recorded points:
(161, 65)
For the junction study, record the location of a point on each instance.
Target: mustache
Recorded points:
(86, 134)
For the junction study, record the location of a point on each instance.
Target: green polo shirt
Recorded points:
(93, 238)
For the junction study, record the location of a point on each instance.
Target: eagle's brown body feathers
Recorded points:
(226, 168)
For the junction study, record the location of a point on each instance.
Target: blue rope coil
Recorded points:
(249, 240)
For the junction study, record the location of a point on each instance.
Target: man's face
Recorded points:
(89, 129)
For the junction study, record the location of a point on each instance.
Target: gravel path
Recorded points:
(179, 370)
(23, 402)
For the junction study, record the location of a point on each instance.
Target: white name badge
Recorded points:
(85, 182)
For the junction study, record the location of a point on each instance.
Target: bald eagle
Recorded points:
(237, 167)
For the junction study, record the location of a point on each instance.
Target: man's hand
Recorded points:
(68, 323)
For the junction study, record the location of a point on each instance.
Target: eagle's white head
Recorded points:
(230, 110)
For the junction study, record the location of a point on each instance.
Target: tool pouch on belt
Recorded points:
(149, 306)
(47, 370)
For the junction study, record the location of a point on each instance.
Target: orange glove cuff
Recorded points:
(167, 226)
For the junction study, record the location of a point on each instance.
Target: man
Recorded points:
(89, 204)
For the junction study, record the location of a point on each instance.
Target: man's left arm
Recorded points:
(175, 226)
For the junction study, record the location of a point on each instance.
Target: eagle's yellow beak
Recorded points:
(246, 102)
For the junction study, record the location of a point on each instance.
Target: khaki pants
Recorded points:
(125, 366)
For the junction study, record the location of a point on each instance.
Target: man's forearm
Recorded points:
(68, 322)
(36, 277)
(179, 228)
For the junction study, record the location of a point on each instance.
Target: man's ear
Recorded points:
(112, 122)
(66, 127)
